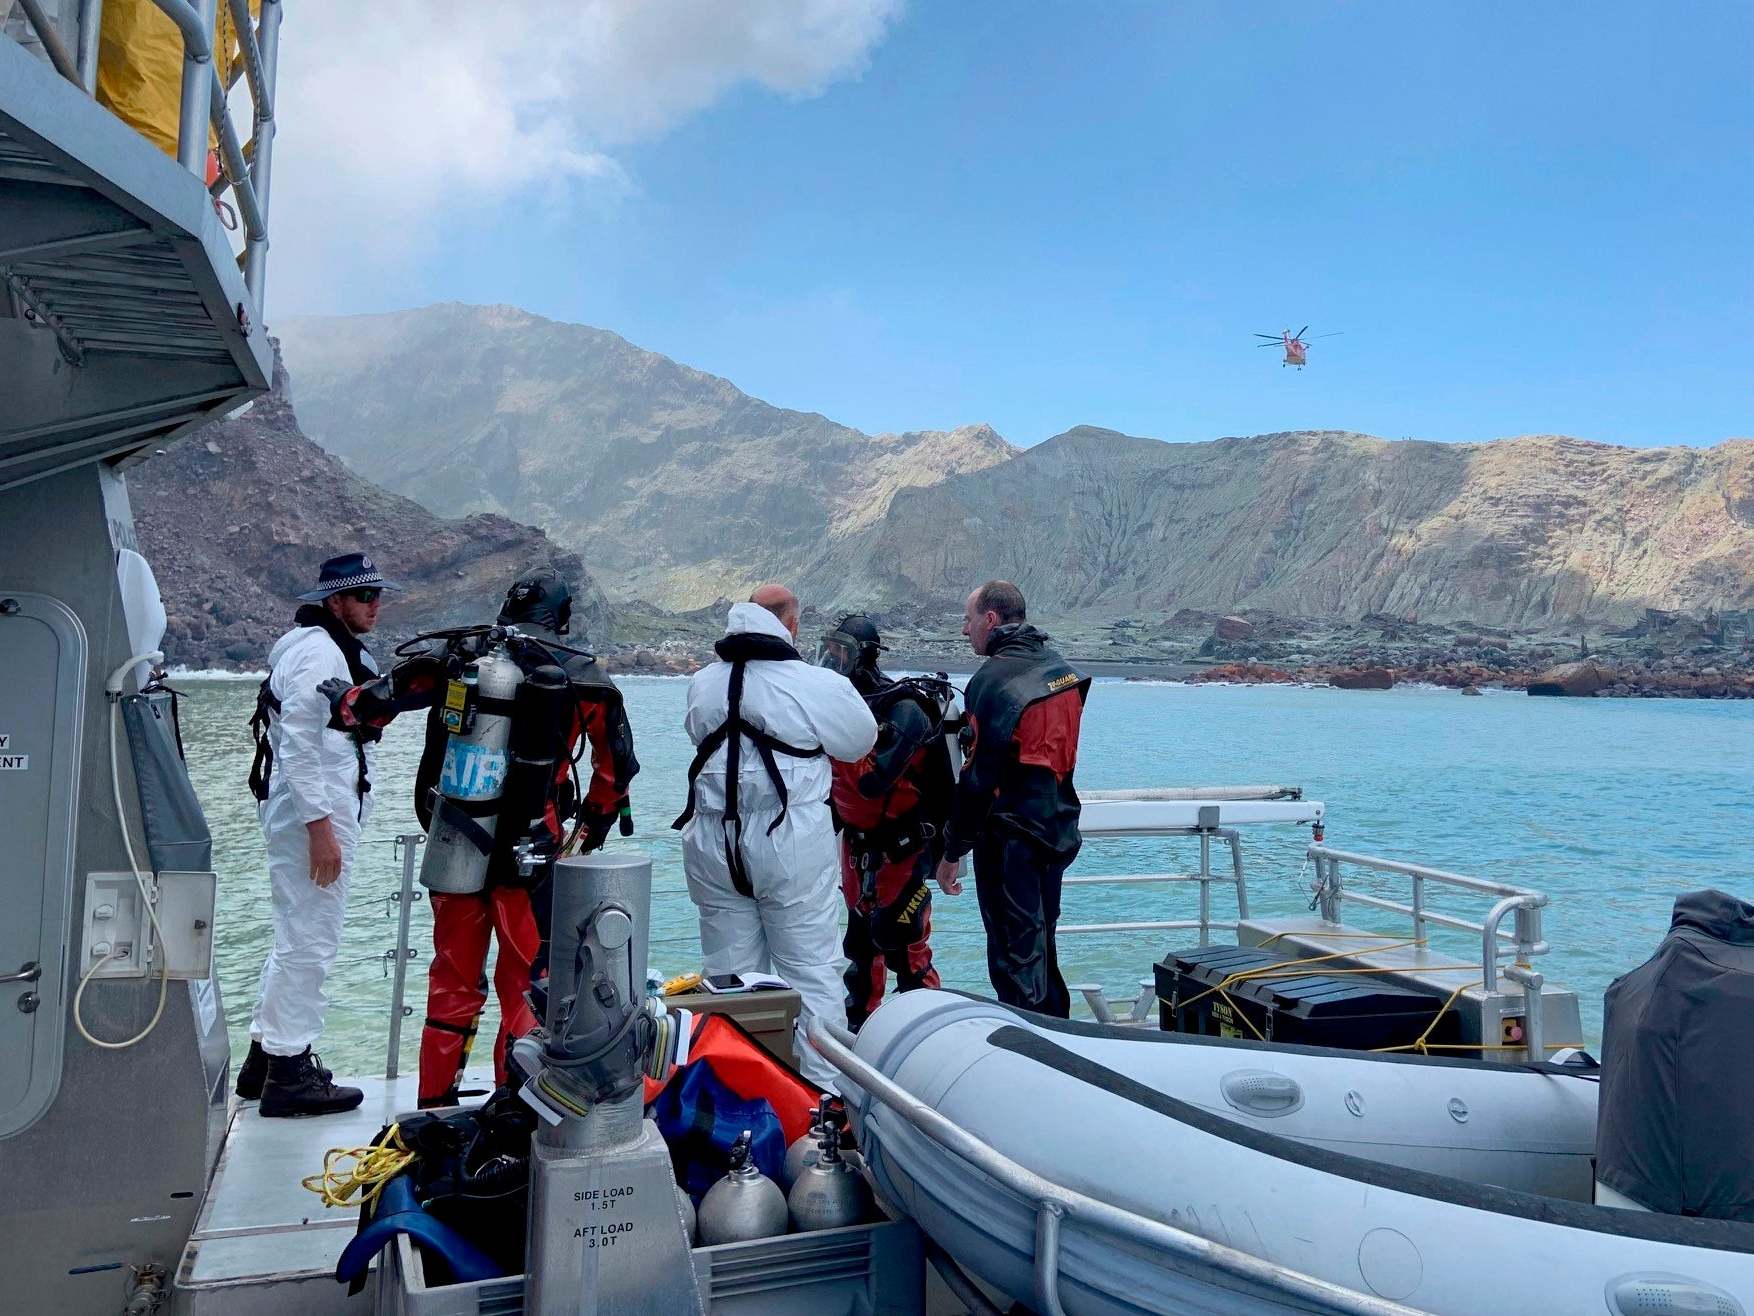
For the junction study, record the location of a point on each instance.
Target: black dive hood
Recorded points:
(541, 599)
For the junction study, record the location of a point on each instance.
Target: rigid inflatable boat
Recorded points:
(1457, 1187)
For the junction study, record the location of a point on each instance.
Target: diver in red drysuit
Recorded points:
(891, 807)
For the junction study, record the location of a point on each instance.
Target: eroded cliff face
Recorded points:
(1525, 532)
(678, 488)
(237, 518)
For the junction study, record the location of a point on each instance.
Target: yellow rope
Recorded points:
(1418, 1043)
(1261, 975)
(373, 1167)
(1486, 1046)
(1293, 969)
(1237, 1011)
(1245, 975)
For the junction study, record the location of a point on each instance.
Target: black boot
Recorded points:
(298, 1085)
(252, 1073)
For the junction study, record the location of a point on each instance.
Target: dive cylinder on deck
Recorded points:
(478, 712)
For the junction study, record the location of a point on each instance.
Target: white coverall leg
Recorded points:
(792, 925)
(315, 774)
(307, 936)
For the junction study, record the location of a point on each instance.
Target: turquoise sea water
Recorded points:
(1610, 806)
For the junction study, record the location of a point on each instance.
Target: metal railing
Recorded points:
(1521, 903)
(395, 958)
(1054, 1204)
(407, 849)
(1206, 829)
(1205, 877)
(246, 168)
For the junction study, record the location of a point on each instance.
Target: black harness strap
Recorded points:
(460, 818)
(360, 670)
(731, 733)
(262, 767)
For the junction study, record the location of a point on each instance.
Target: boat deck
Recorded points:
(264, 1240)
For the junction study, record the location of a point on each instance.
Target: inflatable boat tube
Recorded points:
(1456, 1187)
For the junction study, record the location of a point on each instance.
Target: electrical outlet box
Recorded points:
(116, 919)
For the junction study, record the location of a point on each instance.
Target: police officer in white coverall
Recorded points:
(759, 846)
(313, 786)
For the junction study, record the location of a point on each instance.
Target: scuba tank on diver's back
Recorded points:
(953, 718)
(477, 711)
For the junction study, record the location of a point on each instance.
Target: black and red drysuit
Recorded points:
(513, 908)
(1017, 811)
(890, 806)
(516, 909)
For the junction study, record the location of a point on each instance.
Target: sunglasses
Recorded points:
(369, 595)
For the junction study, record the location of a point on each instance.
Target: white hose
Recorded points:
(114, 690)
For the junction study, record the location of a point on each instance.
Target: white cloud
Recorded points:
(398, 117)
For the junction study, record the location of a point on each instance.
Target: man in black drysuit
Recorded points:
(1016, 809)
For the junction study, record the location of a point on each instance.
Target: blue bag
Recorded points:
(700, 1119)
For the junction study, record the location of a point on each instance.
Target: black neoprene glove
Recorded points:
(596, 831)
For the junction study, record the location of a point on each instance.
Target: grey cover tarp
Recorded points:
(176, 830)
(1676, 1126)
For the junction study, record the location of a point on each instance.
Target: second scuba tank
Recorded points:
(955, 718)
(830, 1193)
(805, 1149)
(478, 714)
(743, 1206)
(541, 719)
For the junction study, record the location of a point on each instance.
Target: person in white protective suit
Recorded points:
(312, 783)
(758, 840)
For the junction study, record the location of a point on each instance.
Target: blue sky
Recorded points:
(1523, 218)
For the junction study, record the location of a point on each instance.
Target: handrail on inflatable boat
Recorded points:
(1053, 1203)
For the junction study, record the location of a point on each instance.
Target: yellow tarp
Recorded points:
(140, 67)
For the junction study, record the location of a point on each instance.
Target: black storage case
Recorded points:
(1351, 1010)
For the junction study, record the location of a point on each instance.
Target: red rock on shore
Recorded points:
(1244, 674)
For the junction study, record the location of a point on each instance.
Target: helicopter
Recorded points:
(1295, 344)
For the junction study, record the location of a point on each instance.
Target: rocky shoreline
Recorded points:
(1662, 656)
(1468, 679)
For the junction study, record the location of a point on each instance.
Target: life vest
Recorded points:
(1024, 672)
(739, 651)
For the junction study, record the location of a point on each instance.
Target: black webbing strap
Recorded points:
(731, 733)
(477, 835)
(495, 705)
(262, 767)
(892, 840)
